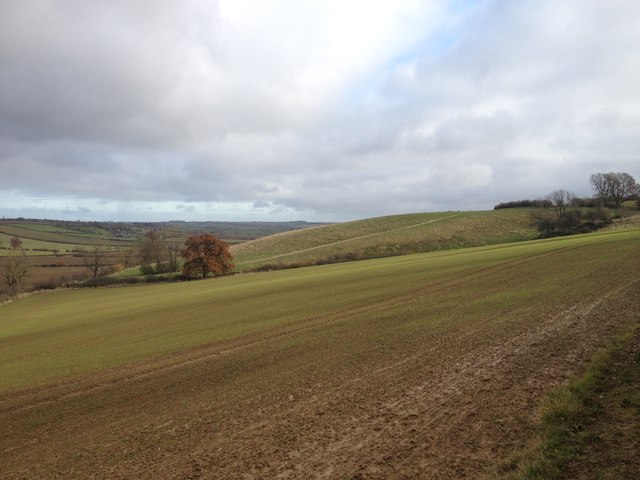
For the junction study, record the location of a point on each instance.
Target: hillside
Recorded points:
(386, 236)
(420, 366)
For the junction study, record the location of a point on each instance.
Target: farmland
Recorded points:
(428, 365)
(43, 237)
(56, 248)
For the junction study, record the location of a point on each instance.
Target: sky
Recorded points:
(327, 110)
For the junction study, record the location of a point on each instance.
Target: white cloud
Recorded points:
(328, 109)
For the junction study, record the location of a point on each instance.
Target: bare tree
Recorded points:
(16, 243)
(128, 254)
(600, 186)
(614, 187)
(95, 260)
(151, 251)
(16, 269)
(173, 249)
(561, 200)
(624, 188)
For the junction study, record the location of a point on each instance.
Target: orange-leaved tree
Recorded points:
(205, 254)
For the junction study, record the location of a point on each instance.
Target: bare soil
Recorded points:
(451, 407)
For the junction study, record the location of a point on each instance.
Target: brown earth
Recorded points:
(452, 406)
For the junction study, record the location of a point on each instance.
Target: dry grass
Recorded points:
(386, 236)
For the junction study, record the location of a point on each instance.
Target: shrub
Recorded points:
(538, 203)
(117, 268)
(147, 269)
(50, 284)
(6, 294)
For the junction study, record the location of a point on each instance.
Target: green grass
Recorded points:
(387, 236)
(45, 233)
(36, 247)
(51, 336)
(51, 228)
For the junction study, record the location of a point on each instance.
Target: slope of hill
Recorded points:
(386, 236)
(420, 366)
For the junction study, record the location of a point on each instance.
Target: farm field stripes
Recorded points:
(92, 320)
(67, 237)
(271, 334)
(37, 247)
(396, 416)
(427, 365)
(369, 415)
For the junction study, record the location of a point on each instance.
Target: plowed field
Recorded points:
(426, 366)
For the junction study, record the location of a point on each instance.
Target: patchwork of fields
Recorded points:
(430, 365)
(56, 248)
(45, 238)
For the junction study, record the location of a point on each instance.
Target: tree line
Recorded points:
(610, 190)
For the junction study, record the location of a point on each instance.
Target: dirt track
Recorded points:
(450, 407)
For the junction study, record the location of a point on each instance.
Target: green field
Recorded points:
(38, 247)
(52, 335)
(387, 236)
(428, 365)
(45, 238)
(53, 236)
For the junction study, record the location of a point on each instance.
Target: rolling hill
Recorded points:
(386, 236)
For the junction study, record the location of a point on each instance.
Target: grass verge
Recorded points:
(590, 428)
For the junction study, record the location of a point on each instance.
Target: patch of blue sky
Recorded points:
(434, 45)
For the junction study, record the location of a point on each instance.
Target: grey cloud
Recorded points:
(170, 101)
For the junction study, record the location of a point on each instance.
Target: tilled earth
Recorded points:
(452, 405)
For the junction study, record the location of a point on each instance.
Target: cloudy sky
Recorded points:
(316, 110)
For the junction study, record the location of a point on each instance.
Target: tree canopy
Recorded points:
(206, 254)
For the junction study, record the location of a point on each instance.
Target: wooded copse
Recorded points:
(202, 254)
(158, 252)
